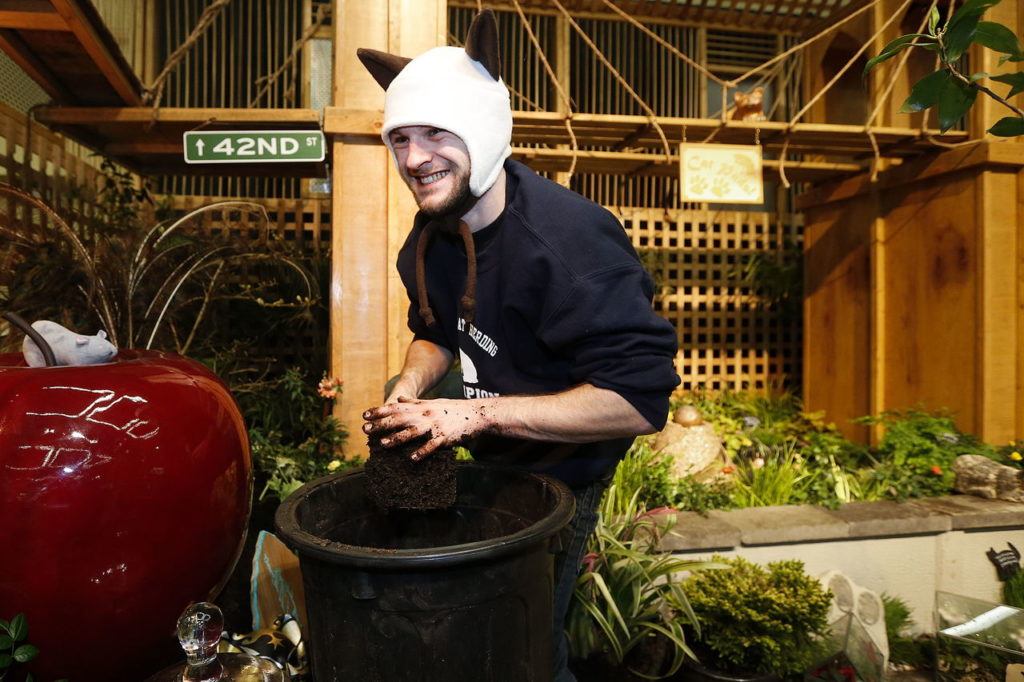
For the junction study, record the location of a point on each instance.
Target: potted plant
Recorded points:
(628, 613)
(757, 622)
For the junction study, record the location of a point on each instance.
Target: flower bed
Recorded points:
(772, 453)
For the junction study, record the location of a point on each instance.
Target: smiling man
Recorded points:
(535, 289)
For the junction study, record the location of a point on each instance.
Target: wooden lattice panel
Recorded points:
(61, 172)
(728, 338)
(304, 222)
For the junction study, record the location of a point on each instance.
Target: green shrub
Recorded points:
(758, 619)
(641, 472)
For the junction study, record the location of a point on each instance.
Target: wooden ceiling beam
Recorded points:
(30, 20)
(113, 67)
(108, 116)
(22, 55)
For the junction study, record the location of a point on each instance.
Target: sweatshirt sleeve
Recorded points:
(605, 327)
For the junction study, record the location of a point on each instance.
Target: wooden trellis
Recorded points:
(728, 337)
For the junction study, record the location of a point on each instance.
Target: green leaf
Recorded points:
(959, 36)
(1011, 126)
(1014, 80)
(933, 20)
(25, 653)
(997, 37)
(5, 626)
(972, 8)
(6, 642)
(954, 101)
(19, 627)
(925, 92)
(978, 76)
(891, 49)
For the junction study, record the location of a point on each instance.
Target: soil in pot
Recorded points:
(394, 481)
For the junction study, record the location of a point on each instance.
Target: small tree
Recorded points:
(949, 90)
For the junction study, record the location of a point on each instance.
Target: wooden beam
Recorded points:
(112, 67)
(135, 115)
(31, 21)
(22, 55)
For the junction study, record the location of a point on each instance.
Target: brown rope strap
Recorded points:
(468, 301)
(651, 116)
(155, 92)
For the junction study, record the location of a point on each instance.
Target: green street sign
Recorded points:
(254, 146)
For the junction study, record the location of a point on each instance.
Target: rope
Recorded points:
(800, 46)
(558, 87)
(155, 92)
(877, 161)
(651, 116)
(322, 14)
(664, 43)
(870, 41)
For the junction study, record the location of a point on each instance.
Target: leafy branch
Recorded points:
(949, 90)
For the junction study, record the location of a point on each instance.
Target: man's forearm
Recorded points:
(578, 415)
(425, 364)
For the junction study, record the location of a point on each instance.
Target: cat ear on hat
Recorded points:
(482, 42)
(381, 65)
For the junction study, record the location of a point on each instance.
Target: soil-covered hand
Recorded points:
(445, 423)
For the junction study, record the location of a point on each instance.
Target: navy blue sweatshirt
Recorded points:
(561, 300)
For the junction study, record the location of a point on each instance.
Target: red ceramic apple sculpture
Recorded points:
(125, 490)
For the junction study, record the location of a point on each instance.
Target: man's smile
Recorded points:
(432, 178)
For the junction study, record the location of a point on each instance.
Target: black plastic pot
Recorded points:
(460, 594)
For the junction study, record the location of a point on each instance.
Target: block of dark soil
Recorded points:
(393, 481)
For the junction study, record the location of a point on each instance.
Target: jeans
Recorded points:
(567, 567)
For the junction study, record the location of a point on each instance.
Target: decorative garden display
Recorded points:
(125, 488)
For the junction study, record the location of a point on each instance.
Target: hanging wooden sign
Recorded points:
(721, 173)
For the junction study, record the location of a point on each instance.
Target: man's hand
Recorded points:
(444, 423)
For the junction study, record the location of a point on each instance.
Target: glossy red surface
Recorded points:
(125, 490)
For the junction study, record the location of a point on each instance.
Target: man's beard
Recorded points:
(458, 202)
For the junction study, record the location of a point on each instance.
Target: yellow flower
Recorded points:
(333, 465)
(1015, 456)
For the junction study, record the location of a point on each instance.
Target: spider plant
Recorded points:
(629, 592)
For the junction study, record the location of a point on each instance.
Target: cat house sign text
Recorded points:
(721, 173)
(254, 146)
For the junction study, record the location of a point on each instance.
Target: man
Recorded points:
(535, 288)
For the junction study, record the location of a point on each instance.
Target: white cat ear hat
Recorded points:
(458, 90)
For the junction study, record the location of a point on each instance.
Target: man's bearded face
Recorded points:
(435, 164)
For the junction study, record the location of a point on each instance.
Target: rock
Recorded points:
(980, 476)
(693, 449)
(688, 415)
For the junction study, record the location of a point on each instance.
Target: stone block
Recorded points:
(885, 518)
(694, 531)
(968, 512)
(778, 525)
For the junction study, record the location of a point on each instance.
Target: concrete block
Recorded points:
(693, 531)
(792, 523)
(968, 512)
(890, 519)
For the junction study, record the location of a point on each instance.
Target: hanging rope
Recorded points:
(155, 92)
(651, 116)
(664, 43)
(563, 95)
(323, 13)
(870, 41)
(800, 46)
(877, 161)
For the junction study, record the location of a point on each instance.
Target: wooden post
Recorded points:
(372, 209)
